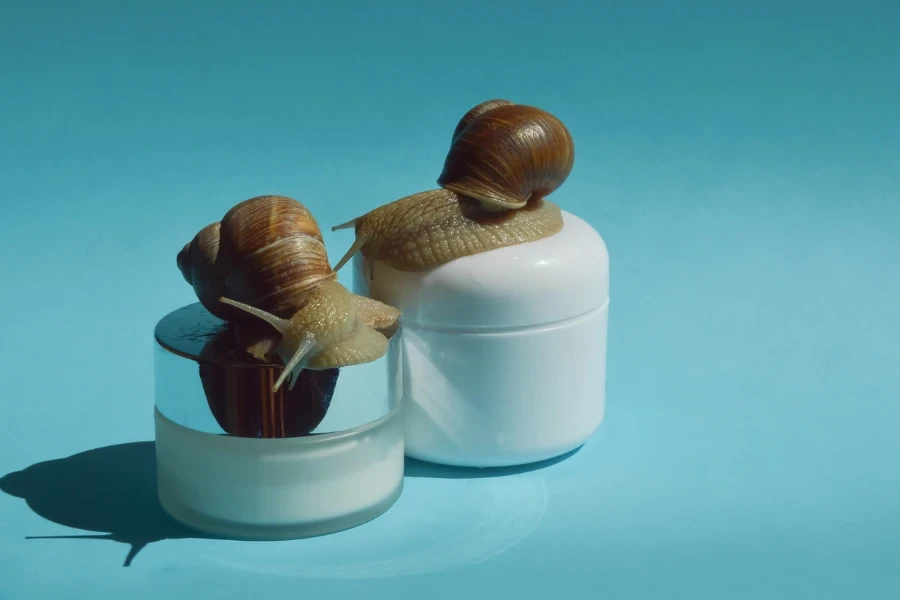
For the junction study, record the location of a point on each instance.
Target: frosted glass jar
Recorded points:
(501, 355)
(235, 459)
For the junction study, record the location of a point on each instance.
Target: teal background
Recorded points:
(741, 160)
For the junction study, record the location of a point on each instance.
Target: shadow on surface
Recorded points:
(419, 468)
(110, 490)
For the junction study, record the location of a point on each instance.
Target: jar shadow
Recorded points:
(419, 468)
(112, 492)
(109, 490)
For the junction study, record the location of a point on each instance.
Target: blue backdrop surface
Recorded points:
(741, 160)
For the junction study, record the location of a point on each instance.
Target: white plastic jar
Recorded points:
(501, 355)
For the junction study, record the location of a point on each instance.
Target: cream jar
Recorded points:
(237, 459)
(501, 355)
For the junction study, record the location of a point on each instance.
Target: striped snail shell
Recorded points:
(266, 260)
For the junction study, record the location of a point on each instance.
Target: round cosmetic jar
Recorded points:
(502, 354)
(236, 459)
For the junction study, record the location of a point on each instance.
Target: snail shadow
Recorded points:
(109, 490)
(419, 468)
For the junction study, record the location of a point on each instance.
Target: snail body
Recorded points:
(504, 160)
(431, 228)
(265, 261)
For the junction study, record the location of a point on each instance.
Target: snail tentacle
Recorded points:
(356, 247)
(347, 225)
(276, 322)
(307, 343)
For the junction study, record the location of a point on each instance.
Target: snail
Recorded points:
(504, 160)
(265, 261)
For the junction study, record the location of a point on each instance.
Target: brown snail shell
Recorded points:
(197, 263)
(477, 111)
(507, 153)
(504, 160)
(266, 260)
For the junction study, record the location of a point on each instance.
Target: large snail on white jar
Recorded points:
(504, 160)
(265, 261)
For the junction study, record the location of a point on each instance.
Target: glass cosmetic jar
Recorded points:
(237, 459)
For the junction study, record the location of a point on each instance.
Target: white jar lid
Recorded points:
(524, 285)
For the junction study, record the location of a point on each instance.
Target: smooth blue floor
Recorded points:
(742, 161)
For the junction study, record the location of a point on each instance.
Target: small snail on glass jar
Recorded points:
(254, 437)
(265, 261)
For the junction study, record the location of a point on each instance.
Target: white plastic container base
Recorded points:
(278, 488)
(237, 459)
(501, 355)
